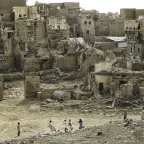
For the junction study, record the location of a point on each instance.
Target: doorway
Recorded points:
(101, 87)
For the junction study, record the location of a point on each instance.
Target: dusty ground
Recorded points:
(34, 120)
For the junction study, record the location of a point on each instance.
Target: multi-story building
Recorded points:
(134, 30)
(57, 27)
(87, 28)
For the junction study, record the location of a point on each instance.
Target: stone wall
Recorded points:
(105, 80)
(25, 30)
(32, 86)
(67, 62)
(87, 28)
(40, 30)
(126, 90)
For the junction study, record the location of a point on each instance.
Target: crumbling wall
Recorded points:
(32, 86)
(24, 29)
(67, 62)
(7, 41)
(87, 28)
(90, 58)
(40, 30)
(126, 90)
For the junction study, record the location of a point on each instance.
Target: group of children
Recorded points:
(68, 126)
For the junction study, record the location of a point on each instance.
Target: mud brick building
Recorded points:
(134, 30)
(87, 28)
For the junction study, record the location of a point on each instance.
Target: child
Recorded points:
(80, 124)
(70, 125)
(65, 123)
(18, 128)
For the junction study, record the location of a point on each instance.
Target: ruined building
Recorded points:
(112, 27)
(87, 28)
(134, 32)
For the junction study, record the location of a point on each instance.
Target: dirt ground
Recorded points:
(34, 119)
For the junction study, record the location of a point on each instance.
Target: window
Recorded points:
(90, 22)
(20, 15)
(83, 57)
(85, 22)
(87, 31)
(138, 49)
(9, 34)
